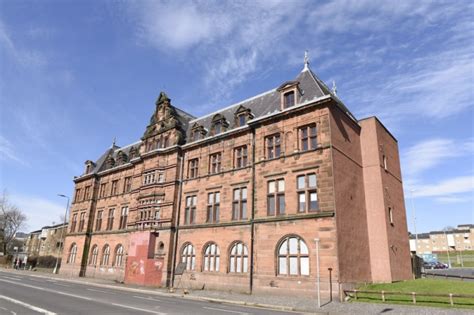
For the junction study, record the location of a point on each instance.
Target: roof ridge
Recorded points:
(235, 104)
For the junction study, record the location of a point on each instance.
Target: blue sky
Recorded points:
(76, 74)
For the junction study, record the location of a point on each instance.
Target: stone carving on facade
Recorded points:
(163, 119)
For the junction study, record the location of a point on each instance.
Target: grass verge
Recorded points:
(420, 286)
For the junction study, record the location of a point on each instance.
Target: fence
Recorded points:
(414, 295)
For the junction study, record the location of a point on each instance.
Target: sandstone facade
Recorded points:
(240, 197)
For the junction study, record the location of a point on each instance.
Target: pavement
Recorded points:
(43, 291)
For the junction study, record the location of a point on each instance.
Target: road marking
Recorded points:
(13, 313)
(95, 290)
(223, 310)
(11, 278)
(29, 306)
(48, 290)
(138, 309)
(2, 308)
(147, 298)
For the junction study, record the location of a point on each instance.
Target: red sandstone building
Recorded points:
(240, 195)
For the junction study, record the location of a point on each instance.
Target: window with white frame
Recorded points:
(239, 204)
(94, 255)
(190, 210)
(105, 255)
(72, 254)
(293, 257)
(306, 187)
(238, 258)
(213, 206)
(188, 256)
(211, 257)
(118, 261)
(276, 197)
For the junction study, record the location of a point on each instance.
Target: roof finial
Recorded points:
(113, 142)
(306, 60)
(334, 88)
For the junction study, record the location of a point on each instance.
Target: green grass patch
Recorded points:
(420, 286)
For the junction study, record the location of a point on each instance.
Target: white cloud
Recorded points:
(448, 188)
(7, 151)
(23, 57)
(453, 199)
(432, 152)
(39, 211)
(230, 39)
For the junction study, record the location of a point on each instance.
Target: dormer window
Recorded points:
(217, 128)
(196, 135)
(289, 99)
(197, 132)
(290, 94)
(89, 166)
(219, 124)
(242, 120)
(242, 115)
(133, 153)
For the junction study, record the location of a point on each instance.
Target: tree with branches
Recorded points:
(12, 219)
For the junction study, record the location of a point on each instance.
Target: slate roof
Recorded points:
(267, 102)
(260, 105)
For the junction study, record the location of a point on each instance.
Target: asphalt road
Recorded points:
(465, 272)
(23, 294)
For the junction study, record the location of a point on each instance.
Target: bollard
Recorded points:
(383, 296)
(414, 297)
(451, 299)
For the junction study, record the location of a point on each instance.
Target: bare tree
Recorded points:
(12, 220)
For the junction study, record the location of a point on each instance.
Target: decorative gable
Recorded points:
(219, 124)
(241, 116)
(165, 127)
(197, 132)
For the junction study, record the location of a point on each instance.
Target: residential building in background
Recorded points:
(459, 239)
(243, 196)
(46, 242)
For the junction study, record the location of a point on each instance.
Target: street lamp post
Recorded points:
(318, 276)
(414, 220)
(447, 248)
(61, 244)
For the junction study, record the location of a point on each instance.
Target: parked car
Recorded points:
(429, 265)
(440, 265)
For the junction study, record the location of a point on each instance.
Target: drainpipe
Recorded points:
(252, 227)
(176, 230)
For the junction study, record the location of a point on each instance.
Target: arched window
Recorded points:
(105, 255)
(239, 257)
(211, 257)
(118, 260)
(293, 257)
(72, 254)
(188, 255)
(94, 255)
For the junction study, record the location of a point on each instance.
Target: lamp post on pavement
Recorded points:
(414, 220)
(61, 244)
(318, 277)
